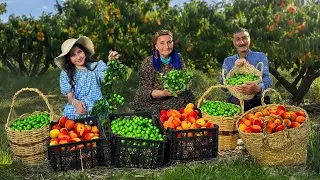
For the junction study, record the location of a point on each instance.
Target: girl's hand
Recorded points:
(113, 55)
(160, 93)
(80, 106)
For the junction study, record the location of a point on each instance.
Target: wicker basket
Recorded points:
(245, 69)
(287, 147)
(228, 134)
(28, 145)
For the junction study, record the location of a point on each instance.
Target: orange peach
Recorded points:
(69, 124)
(191, 119)
(279, 128)
(287, 122)
(188, 110)
(64, 131)
(269, 130)
(277, 121)
(300, 119)
(293, 115)
(185, 124)
(300, 113)
(271, 125)
(94, 129)
(190, 105)
(242, 127)
(256, 129)
(295, 124)
(265, 112)
(258, 114)
(62, 121)
(248, 123)
(73, 135)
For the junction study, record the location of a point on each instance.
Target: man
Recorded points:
(241, 41)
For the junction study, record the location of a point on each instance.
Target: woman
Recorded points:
(81, 78)
(151, 95)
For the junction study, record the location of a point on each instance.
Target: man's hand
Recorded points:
(80, 107)
(249, 88)
(240, 62)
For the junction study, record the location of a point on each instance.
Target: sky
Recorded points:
(36, 7)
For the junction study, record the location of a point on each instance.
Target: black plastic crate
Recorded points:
(193, 144)
(136, 152)
(83, 154)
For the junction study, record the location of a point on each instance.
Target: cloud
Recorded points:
(44, 7)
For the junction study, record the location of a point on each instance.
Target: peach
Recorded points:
(179, 128)
(300, 119)
(248, 123)
(300, 113)
(185, 124)
(88, 136)
(248, 130)
(69, 124)
(286, 115)
(256, 129)
(195, 126)
(295, 124)
(250, 116)
(184, 116)
(242, 127)
(163, 118)
(176, 121)
(56, 126)
(277, 121)
(188, 110)
(269, 130)
(64, 137)
(279, 128)
(52, 143)
(209, 124)
(75, 139)
(54, 133)
(271, 125)
(64, 131)
(265, 112)
(62, 121)
(169, 124)
(258, 114)
(281, 108)
(287, 122)
(201, 122)
(191, 119)
(193, 114)
(293, 115)
(73, 135)
(62, 141)
(258, 122)
(280, 113)
(190, 105)
(162, 112)
(94, 129)
(181, 110)
(96, 134)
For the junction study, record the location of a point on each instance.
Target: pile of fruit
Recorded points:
(186, 118)
(218, 108)
(239, 79)
(270, 120)
(137, 127)
(176, 81)
(31, 122)
(67, 131)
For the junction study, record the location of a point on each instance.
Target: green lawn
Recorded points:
(240, 167)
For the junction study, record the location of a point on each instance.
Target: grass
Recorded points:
(231, 168)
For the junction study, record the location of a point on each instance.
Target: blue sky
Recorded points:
(36, 7)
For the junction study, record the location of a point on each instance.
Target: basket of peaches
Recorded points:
(275, 134)
(191, 137)
(75, 144)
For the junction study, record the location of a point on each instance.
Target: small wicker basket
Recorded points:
(28, 145)
(287, 147)
(228, 134)
(245, 69)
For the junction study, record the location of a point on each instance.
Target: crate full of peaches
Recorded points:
(75, 143)
(271, 119)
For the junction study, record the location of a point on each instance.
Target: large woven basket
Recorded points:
(287, 147)
(245, 69)
(228, 134)
(28, 145)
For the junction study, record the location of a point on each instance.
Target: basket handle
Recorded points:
(285, 131)
(223, 75)
(268, 90)
(261, 66)
(33, 90)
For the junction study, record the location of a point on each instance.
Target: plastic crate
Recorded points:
(135, 152)
(77, 155)
(193, 144)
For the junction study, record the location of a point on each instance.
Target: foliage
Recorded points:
(286, 30)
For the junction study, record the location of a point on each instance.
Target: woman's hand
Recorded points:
(80, 106)
(240, 62)
(160, 93)
(113, 55)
